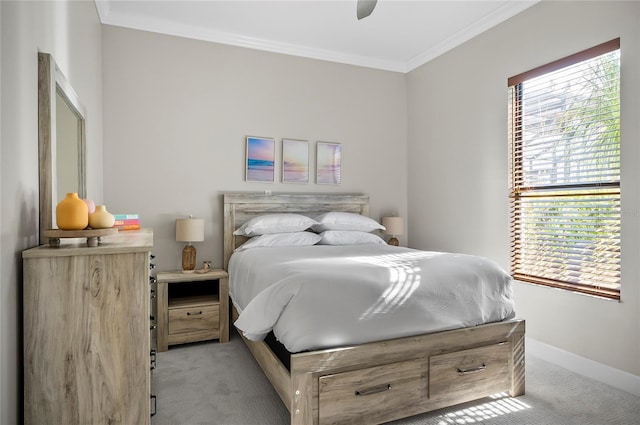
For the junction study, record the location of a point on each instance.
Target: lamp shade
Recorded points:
(394, 225)
(189, 229)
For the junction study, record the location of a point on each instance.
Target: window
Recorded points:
(564, 152)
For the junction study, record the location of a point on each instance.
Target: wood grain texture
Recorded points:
(240, 207)
(193, 318)
(85, 233)
(300, 388)
(223, 283)
(50, 81)
(517, 362)
(86, 338)
(46, 105)
(370, 395)
(394, 350)
(478, 371)
(178, 318)
(421, 347)
(278, 375)
(129, 241)
(178, 276)
(302, 402)
(162, 316)
(193, 336)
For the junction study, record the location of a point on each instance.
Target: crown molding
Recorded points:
(492, 19)
(108, 17)
(104, 9)
(172, 28)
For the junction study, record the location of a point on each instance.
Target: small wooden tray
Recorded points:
(92, 235)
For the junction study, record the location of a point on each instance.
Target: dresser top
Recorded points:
(122, 242)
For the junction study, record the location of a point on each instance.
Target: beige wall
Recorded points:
(457, 146)
(177, 112)
(71, 32)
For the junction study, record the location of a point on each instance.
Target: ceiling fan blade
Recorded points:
(365, 7)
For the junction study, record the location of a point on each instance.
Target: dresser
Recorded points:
(86, 331)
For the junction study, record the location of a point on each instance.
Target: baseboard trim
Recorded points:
(606, 374)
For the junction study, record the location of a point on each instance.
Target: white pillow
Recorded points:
(346, 221)
(275, 223)
(348, 237)
(281, 239)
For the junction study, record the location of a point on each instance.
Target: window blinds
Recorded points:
(564, 132)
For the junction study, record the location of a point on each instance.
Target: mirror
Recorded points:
(61, 140)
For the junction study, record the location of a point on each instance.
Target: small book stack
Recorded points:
(126, 221)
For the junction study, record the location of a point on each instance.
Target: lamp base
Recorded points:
(189, 259)
(393, 241)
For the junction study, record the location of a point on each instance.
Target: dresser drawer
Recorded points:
(479, 371)
(372, 395)
(196, 318)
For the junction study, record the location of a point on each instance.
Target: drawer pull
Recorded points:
(472, 370)
(374, 390)
(154, 400)
(193, 314)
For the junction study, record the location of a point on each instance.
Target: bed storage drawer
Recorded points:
(372, 395)
(478, 371)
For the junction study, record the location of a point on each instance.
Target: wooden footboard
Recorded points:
(388, 380)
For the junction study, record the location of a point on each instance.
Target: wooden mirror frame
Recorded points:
(52, 82)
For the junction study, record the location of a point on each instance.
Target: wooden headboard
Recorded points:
(242, 206)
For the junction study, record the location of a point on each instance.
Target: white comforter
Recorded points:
(320, 296)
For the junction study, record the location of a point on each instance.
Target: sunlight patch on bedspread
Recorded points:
(319, 297)
(404, 279)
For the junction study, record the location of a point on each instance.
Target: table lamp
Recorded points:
(395, 227)
(189, 230)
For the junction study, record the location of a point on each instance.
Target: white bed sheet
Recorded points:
(317, 297)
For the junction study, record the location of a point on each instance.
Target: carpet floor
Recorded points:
(220, 384)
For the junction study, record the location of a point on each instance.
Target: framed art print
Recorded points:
(295, 161)
(329, 163)
(261, 156)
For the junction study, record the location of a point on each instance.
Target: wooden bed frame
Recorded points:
(387, 380)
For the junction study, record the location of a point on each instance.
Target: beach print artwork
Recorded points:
(295, 161)
(329, 163)
(260, 159)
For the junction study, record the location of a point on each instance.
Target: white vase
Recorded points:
(101, 218)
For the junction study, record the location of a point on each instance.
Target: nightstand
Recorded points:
(192, 307)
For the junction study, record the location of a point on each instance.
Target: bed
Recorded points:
(379, 381)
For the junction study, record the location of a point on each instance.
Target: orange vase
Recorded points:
(72, 213)
(101, 218)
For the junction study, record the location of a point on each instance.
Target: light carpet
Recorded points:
(221, 384)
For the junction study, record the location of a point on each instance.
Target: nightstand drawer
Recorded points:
(196, 318)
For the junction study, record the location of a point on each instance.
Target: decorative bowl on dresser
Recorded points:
(86, 332)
